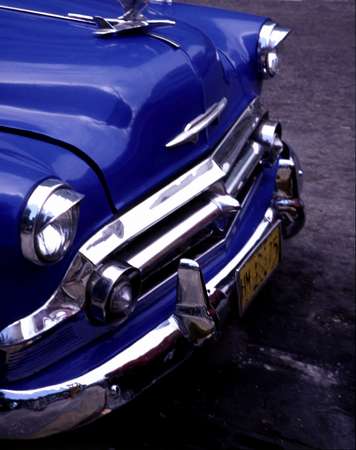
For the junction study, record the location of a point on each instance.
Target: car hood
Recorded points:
(118, 101)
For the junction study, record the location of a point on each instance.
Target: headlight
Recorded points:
(271, 36)
(49, 222)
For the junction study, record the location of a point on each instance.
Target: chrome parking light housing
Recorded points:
(112, 292)
(49, 222)
(271, 36)
(269, 134)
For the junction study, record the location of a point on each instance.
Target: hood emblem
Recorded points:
(193, 129)
(132, 9)
(131, 20)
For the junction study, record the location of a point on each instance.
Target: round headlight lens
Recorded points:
(50, 222)
(53, 241)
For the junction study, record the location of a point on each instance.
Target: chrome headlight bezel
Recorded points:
(270, 37)
(48, 203)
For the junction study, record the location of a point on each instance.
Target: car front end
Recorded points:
(149, 194)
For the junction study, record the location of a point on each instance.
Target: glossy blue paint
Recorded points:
(111, 105)
(101, 95)
(235, 34)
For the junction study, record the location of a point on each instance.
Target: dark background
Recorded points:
(283, 378)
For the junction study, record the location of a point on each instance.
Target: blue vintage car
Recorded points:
(144, 196)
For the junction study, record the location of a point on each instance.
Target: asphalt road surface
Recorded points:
(283, 378)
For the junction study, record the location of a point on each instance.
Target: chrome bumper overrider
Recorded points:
(199, 311)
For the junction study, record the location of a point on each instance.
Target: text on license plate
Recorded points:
(255, 270)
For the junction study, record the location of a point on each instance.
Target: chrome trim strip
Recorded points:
(151, 211)
(229, 149)
(162, 247)
(271, 36)
(131, 20)
(161, 349)
(241, 173)
(269, 218)
(81, 19)
(193, 129)
(165, 39)
(151, 340)
(67, 301)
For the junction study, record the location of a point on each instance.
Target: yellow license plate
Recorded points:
(257, 267)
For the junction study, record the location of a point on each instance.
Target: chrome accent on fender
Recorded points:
(270, 37)
(51, 409)
(235, 139)
(34, 213)
(165, 39)
(195, 127)
(244, 168)
(66, 302)
(70, 296)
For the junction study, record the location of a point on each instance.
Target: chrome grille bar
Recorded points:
(160, 248)
(152, 210)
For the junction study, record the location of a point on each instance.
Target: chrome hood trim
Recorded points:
(131, 20)
(192, 129)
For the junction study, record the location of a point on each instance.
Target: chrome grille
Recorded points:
(183, 217)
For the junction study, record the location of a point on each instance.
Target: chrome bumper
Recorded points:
(199, 312)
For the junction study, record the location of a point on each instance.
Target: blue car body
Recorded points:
(97, 114)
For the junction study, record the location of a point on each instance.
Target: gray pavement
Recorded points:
(283, 377)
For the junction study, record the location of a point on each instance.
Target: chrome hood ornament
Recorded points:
(131, 20)
(132, 9)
